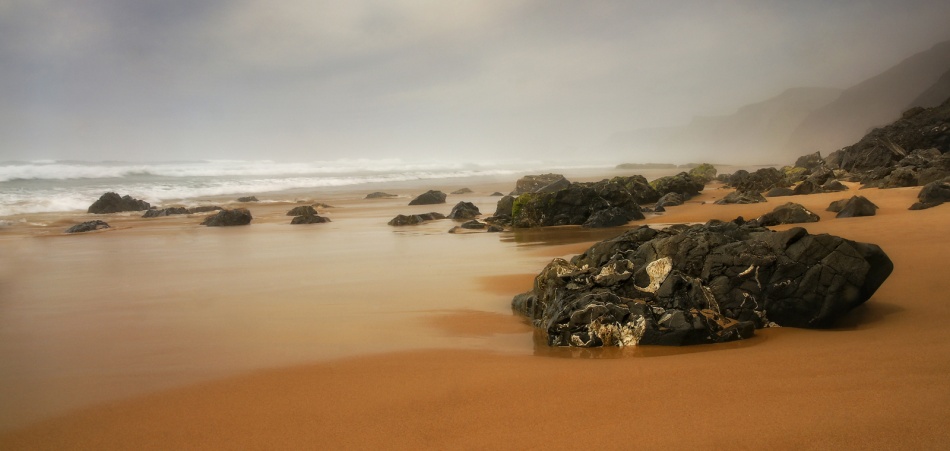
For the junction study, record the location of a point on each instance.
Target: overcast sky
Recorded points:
(480, 80)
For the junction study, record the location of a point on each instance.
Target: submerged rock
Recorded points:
(227, 218)
(462, 191)
(113, 203)
(309, 219)
(700, 284)
(88, 226)
(402, 220)
(156, 213)
(303, 210)
(379, 195)
(248, 199)
(537, 183)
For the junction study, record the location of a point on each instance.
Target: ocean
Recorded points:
(71, 186)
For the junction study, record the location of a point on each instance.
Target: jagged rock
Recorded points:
(226, 218)
(464, 210)
(933, 194)
(759, 181)
(899, 177)
(807, 187)
(248, 199)
(810, 161)
(309, 219)
(430, 197)
(303, 210)
(780, 192)
(833, 186)
(402, 220)
(794, 174)
(611, 217)
(535, 183)
(821, 175)
(321, 205)
(462, 191)
(113, 203)
(156, 213)
(670, 200)
(853, 207)
(88, 226)
(738, 197)
(700, 284)
(659, 209)
(681, 183)
(789, 213)
(379, 195)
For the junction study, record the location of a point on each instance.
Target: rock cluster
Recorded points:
(113, 203)
(700, 284)
(789, 213)
(306, 214)
(933, 194)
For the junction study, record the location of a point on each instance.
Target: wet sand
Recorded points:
(161, 335)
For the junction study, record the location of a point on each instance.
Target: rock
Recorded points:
(670, 200)
(637, 186)
(248, 199)
(464, 210)
(821, 175)
(611, 217)
(156, 213)
(303, 210)
(113, 203)
(789, 213)
(933, 194)
(853, 207)
(759, 181)
(309, 219)
(430, 197)
(474, 225)
(807, 187)
(88, 226)
(572, 206)
(700, 284)
(833, 186)
(810, 161)
(738, 197)
(402, 220)
(379, 195)
(899, 177)
(495, 228)
(703, 173)
(504, 206)
(780, 192)
(496, 194)
(462, 191)
(227, 218)
(535, 183)
(680, 183)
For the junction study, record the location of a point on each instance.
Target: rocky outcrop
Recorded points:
(759, 181)
(538, 183)
(853, 207)
(703, 173)
(700, 284)
(463, 211)
(303, 210)
(113, 203)
(248, 199)
(789, 213)
(670, 200)
(575, 205)
(780, 192)
(741, 197)
(88, 226)
(681, 183)
(933, 194)
(403, 220)
(227, 218)
(379, 195)
(430, 197)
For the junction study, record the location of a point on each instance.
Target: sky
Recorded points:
(304, 80)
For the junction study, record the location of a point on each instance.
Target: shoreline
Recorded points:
(465, 370)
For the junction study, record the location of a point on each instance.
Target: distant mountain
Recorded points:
(921, 80)
(751, 134)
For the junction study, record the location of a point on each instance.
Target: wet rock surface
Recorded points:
(404, 220)
(700, 284)
(227, 218)
(113, 203)
(430, 197)
(463, 211)
(88, 226)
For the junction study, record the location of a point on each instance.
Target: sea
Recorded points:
(71, 186)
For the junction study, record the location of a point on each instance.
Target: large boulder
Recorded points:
(303, 210)
(703, 173)
(933, 194)
(637, 186)
(538, 183)
(789, 213)
(574, 205)
(88, 226)
(113, 203)
(780, 192)
(464, 211)
(430, 197)
(810, 161)
(681, 183)
(309, 219)
(248, 199)
(227, 218)
(700, 284)
(759, 181)
(854, 207)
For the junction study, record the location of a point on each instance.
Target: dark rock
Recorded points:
(303, 210)
(321, 205)
(464, 210)
(402, 220)
(495, 228)
(670, 200)
(739, 197)
(309, 219)
(113, 203)
(474, 225)
(534, 183)
(933, 194)
(156, 213)
(572, 206)
(832, 186)
(504, 206)
(899, 177)
(88, 226)
(807, 187)
(790, 213)
(248, 199)
(759, 181)
(703, 173)
(379, 195)
(853, 207)
(226, 218)
(496, 194)
(611, 217)
(680, 183)
(810, 161)
(700, 284)
(821, 175)
(430, 197)
(780, 192)
(462, 191)
(637, 186)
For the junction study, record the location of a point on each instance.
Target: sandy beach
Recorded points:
(163, 334)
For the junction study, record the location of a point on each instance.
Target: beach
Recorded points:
(162, 334)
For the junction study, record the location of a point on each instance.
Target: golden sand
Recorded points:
(165, 335)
